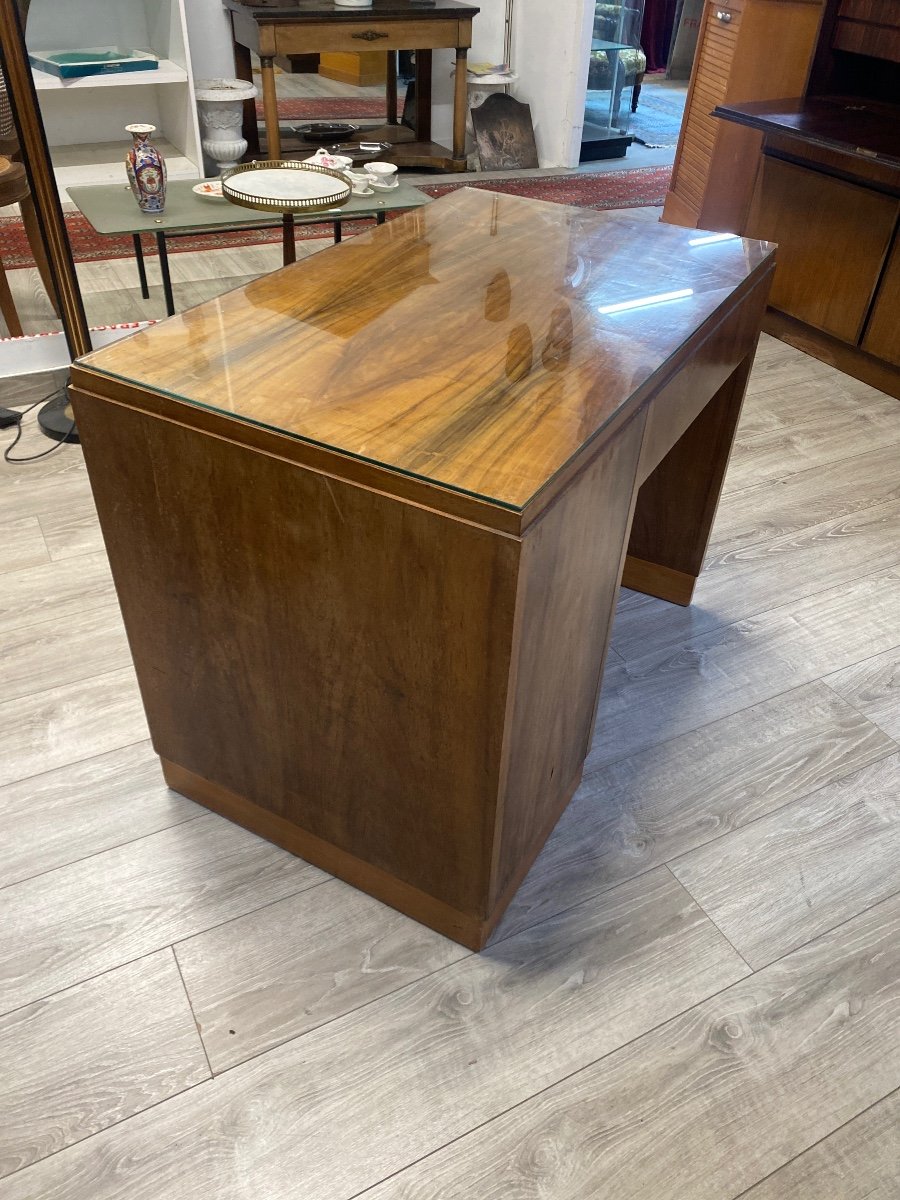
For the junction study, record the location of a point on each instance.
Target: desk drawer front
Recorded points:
(353, 37)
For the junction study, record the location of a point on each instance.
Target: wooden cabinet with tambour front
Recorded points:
(828, 192)
(747, 50)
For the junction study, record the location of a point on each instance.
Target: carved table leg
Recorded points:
(423, 95)
(460, 97)
(391, 87)
(270, 106)
(243, 69)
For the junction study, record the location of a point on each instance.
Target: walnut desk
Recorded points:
(284, 27)
(367, 518)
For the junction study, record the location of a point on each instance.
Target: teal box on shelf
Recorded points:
(95, 60)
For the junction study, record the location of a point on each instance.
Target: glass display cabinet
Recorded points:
(615, 74)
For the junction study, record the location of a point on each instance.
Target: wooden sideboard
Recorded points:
(747, 50)
(367, 519)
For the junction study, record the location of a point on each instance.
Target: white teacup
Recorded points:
(384, 170)
(360, 182)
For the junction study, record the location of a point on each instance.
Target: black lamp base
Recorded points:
(57, 420)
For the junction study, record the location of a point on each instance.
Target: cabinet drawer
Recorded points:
(832, 239)
(354, 36)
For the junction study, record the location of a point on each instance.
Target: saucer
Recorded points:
(209, 189)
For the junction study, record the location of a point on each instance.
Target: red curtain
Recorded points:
(656, 32)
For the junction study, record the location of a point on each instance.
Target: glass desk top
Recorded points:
(111, 209)
(478, 343)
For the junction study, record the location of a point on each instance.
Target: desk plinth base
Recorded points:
(664, 583)
(465, 928)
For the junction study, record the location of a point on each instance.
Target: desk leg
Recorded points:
(270, 106)
(380, 218)
(423, 95)
(164, 271)
(677, 502)
(142, 269)
(338, 233)
(460, 100)
(289, 247)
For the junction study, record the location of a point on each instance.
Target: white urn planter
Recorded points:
(220, 106)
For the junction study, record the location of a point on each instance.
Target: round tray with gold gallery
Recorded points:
(281, 185)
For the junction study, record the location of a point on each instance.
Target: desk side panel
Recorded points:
(329, 653)
(571, 567)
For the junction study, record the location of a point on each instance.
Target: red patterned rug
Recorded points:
(614, 189)
(330, 108)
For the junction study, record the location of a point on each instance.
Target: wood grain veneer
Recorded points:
(380, 349)
(367, 535)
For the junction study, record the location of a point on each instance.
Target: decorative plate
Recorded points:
(209, 189)
(279, 185)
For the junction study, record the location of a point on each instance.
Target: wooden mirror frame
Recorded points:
(39, 169)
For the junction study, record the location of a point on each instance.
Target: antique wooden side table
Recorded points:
(367, 518)
(285, 27)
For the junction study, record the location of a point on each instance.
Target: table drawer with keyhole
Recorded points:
(353, 36)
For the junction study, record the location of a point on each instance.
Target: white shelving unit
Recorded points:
(85, 118)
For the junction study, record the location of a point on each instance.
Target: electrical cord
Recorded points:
(24, 413)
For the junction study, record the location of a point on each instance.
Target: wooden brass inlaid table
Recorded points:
(367, 518)
(274, 28)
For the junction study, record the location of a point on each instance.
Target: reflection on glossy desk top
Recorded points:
(469, 343)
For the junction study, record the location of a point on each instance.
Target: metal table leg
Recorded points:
(164, 271)
(338, 232)
(380, 218)
(142, 270)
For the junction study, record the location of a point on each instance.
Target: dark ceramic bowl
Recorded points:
(325, 131)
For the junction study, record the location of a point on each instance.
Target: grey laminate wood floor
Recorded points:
(695, 995)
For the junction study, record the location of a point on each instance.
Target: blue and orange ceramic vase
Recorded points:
(146, 169)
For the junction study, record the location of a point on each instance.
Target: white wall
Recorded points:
(209, 35)
(488, 36)
(550, 50)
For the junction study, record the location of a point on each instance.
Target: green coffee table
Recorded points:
(111, 210)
